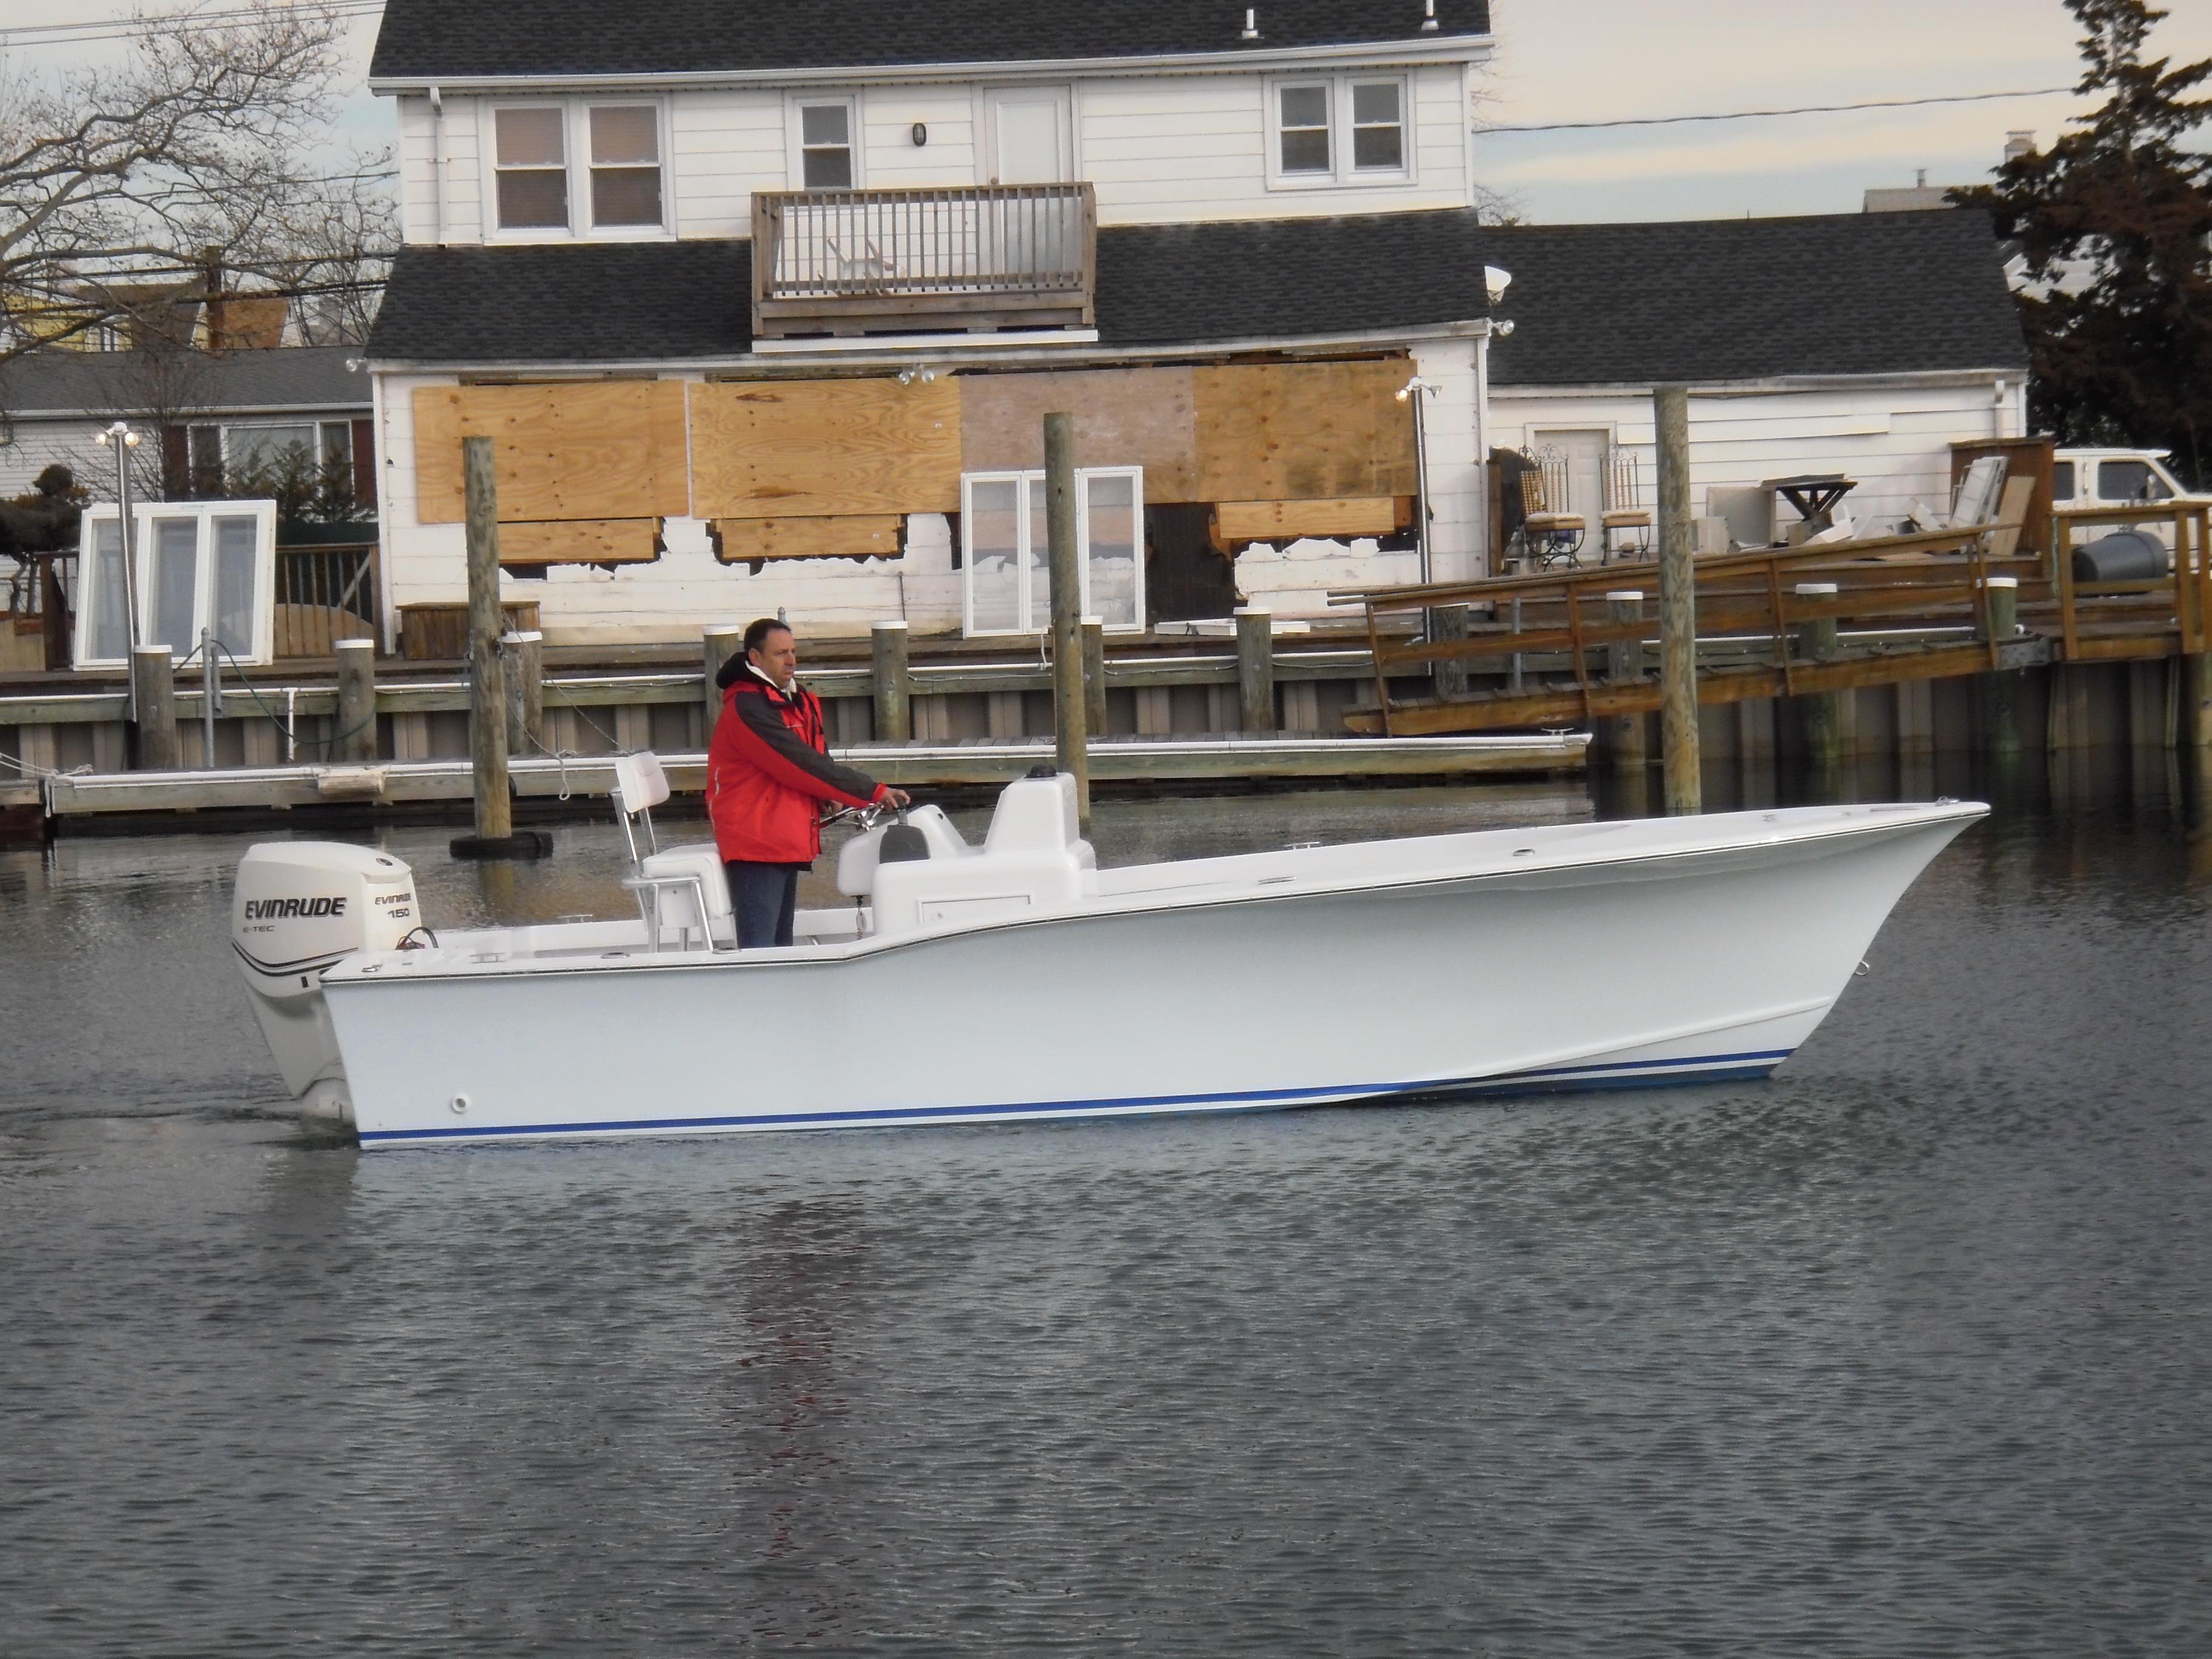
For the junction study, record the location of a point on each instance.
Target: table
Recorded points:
(1812, 493)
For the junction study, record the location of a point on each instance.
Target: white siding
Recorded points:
(893, 161)
(418, 184)
(1893, 439)
(726, 145)
(1161, 148)
(1175, 148)
(39, 444)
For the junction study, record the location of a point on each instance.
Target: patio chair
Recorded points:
(1550, 532)
(1625, 513)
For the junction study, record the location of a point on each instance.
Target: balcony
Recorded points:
(965, 258)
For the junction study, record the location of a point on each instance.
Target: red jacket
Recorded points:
(769, 770)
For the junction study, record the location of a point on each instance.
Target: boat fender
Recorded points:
(903, 844)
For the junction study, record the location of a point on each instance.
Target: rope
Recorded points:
(329, 741)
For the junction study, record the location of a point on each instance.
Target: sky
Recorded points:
(1587, 60)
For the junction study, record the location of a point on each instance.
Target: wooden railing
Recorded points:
(2087, 611)
(957, 257)
(1932, 580)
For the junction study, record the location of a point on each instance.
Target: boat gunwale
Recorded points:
(363, 971)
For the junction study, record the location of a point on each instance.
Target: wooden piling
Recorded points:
(893, 683)
(1820, 713)
(495, 815)
(154, 697)
(525, 657)
(354, 731)
(719, 642)
(1626, 739)
(1068, 704)
(1256, 668)
(1094, 675)
(1678, 604)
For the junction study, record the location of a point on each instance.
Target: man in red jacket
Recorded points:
(769, 772)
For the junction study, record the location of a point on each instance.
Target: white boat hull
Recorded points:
(1585, 956)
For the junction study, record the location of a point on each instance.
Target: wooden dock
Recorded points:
(545, 783)
(1780, 623)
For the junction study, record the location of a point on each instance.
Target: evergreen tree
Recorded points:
(2115, 222)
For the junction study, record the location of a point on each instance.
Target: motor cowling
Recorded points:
(299, 907)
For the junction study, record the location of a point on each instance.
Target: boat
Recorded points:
(1018, 981)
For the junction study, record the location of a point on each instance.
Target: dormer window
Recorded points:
(1339, 130)
(577, 168)
(532, 163)
(1378, 126)
(1305, 130)
(625, 164)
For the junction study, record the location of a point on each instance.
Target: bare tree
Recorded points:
(119, 187)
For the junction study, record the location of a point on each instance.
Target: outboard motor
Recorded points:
(301, 906)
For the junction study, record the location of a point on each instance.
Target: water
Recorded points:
(1905, 1352)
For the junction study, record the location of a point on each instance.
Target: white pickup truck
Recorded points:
(2112, 478)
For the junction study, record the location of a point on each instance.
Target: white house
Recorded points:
(763, 304)
(1863, 343)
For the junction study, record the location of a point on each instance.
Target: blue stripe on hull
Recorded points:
(1617, 1074)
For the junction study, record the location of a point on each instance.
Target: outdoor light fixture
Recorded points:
(120, 438)
(1496, 282)
(921, 135)
(1418, 391)
(1502, 327)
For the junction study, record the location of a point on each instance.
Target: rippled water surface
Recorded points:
(1904, 1351)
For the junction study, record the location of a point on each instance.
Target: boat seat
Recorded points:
(676, 884)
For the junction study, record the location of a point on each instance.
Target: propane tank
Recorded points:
(300, 907)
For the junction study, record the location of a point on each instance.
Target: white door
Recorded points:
(1032, 140)
(1586, 453)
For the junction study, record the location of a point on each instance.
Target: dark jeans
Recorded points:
(764, 896)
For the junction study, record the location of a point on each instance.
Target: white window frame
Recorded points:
(794, 134)
(576, 139)
(142, 520)
(1025, 550)
(1342, 174)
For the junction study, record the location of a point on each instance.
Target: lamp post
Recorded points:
(1418, 391)
(122, 439)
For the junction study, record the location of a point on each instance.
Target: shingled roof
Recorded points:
(1752, 299)
(429, 40)
(108, 383)
(1159, 285)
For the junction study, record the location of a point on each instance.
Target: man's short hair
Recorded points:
(756, 634)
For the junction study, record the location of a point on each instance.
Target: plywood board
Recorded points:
(825, 448)
(1123, 417)
(1275, 521)
(581, 449)
(849, 536)
(581, 541)
(1304, 431)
